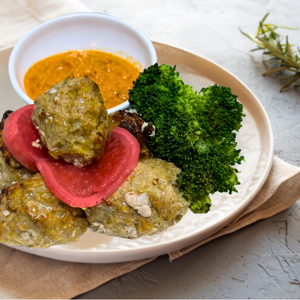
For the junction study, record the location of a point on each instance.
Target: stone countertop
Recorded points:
(261, 260)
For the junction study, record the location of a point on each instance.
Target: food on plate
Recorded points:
(10, 170)
(147, 202)
(20, 134)
(195, 131)
(32, 216)
(133, 173)
(136, 125)
(89, 186)
(113, 74)
(72, 121)
(79, 187)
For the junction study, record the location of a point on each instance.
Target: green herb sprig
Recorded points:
(282, 55)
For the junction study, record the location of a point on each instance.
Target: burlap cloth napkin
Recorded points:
(24, 275)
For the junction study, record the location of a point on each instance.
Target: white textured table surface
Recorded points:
(262, 260)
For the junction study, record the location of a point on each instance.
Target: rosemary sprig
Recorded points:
(282, 55)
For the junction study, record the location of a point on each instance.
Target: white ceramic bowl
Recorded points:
(93, 31)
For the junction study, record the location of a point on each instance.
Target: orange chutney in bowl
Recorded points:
(114, 75)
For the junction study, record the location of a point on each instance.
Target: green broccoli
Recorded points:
(195, 131)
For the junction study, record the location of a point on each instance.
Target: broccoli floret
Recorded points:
(195, 131)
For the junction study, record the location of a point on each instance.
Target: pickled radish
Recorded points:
(90, 185)
(77, 187)
(22, 139)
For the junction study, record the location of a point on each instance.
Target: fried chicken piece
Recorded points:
(147, 202)
(31, 216)
(72, 121)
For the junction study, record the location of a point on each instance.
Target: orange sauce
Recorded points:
(114, 75)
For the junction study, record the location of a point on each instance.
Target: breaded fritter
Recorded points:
(148, 202)
(72, 121)
(31, 216)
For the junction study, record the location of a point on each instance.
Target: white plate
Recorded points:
(255, 139)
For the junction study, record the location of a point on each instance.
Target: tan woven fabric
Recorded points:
(24, 275)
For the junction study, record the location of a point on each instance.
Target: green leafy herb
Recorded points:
(282, 55)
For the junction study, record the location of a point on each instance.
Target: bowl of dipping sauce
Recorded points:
(110, 51)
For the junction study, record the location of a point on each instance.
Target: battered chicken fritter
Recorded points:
(146, 203)
(30, 215)
(72, 121)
